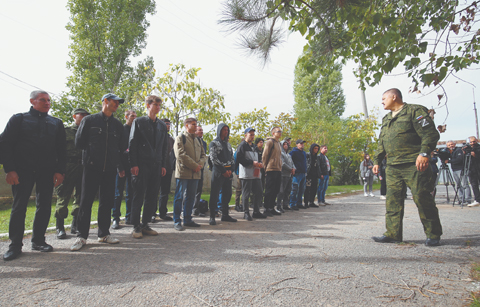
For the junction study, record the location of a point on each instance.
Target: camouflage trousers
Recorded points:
(421, 185)
(73, 180)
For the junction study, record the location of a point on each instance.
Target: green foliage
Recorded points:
(432, 38)
(185, 97)
(105, 35)
(317, 96)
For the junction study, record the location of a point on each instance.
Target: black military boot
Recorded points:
(73, 227)
(61, 234)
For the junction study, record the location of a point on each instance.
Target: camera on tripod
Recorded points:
(442, 153)
(467, 148)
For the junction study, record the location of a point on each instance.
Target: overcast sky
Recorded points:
(34, 52)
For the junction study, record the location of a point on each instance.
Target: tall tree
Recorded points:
(317, 96)
(105, 35)
(432, 38)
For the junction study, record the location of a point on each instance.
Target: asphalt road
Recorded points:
(315, 257)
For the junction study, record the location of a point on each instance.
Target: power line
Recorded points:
(26, 83)
(14, 84)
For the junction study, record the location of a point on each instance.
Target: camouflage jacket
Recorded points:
(74, 155)
(403, 137)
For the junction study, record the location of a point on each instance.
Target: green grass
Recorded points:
(6, 206)
(475, 275)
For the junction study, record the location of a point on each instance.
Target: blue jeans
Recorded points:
(185, 188)
(322, 188)
(298, 188)
(120, 184)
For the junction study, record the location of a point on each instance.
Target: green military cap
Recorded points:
(81, 111)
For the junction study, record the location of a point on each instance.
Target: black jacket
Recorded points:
(456, 159)
(124, 155)
(323, 165)
(148, 143)
(313, 162)
(242, 148)
(33, 141)
(100, 137)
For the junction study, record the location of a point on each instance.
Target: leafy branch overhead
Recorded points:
(433, 39)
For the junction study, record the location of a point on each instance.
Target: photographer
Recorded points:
(456, 161)
(474, 150)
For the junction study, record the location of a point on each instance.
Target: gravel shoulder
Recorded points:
(315, 257)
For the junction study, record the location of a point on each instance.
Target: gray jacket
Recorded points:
(287, 162)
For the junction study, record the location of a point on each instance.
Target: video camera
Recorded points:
(442, 153)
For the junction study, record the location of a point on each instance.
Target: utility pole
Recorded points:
(364, 104)
(475, 109)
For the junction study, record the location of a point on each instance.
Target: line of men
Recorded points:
(289, 174)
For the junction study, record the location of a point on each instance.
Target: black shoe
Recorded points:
(238, 208)
(313, 205)
(61, 234)
(44, 247)
(294, 208)
(11, 254)
(258, 215)
(128, 221)
(432, 242)
(73, 226)
(166, 218)
(195, 212)
(287, 208)
(274, 212)
(201, 214)
(305, 206)
(280, 209)
(115, 224)
(191, 224)
(267, 212)
(247, 216)
(384, 239)
(301, 207)
(212, 221)
(228, 218)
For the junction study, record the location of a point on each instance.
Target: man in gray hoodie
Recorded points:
(288, 170)
(221, 156)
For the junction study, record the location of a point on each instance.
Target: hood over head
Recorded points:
(312, 147)
(219, 128)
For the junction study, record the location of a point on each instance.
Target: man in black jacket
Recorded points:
(166, 181)
(249, 172)
(456, 161)
(147, 150)
(197, 208)
(33, 151)
(125, 182)
(326, 172)
(313, 174)
(100, 137)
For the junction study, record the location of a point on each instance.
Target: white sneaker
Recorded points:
(365, 194)
(322, 204)
(79, 243)
(371, 195)
(108, 239)
(382, 197)
(474, 204)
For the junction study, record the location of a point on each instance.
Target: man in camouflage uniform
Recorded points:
(408, 136)
(73, 179)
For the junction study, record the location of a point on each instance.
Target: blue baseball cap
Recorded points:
(249, 129)
(114, 97)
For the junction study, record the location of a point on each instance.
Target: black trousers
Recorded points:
(475, 181)
(273, 180)
(21, 193)
(198, 195)
(252, 186)
(219, 182)
(94, 180)
(145, 193)
(165, 186)
(311, 185)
